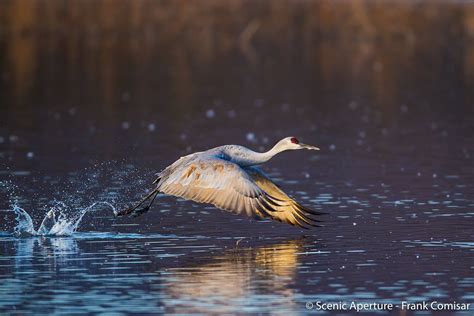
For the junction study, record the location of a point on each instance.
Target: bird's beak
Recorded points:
(310, 147)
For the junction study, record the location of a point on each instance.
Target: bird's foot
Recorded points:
(123, 212)
(140, 211)
(135, 212)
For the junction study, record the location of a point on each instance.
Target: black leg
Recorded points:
(131, 210)
(141, 211)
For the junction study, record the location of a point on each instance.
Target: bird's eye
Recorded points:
(294, 140)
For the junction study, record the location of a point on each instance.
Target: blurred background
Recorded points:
(113, 79)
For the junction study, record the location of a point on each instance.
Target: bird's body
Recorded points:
(228, 177)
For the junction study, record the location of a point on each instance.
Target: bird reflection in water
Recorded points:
(253, 277)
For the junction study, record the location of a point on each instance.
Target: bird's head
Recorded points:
(292, 143)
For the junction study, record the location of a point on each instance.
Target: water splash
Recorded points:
(66, 198)
(57, 221)
(24, 226)
(48, 222)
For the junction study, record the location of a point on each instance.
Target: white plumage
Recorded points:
(228, 177)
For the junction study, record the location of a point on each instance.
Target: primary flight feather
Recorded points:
(228, 177)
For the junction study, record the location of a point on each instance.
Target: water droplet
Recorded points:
(231, 114)
(125, 125)
(151, 127)
(210, 113)
(30, 155)
(251, 137)
(353, 105)
(258, 103)
(332, 147)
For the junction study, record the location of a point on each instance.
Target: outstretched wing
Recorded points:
(231, 187)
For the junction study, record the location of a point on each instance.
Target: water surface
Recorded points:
(91, 117)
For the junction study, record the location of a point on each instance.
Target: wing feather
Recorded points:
(230, 187)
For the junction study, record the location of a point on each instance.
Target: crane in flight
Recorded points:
(229, 178)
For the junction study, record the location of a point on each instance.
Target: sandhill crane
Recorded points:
(228, 177)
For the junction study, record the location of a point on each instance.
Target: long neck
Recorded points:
(256, 158)
(266, 156)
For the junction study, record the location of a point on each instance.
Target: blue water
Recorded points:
(188, 258)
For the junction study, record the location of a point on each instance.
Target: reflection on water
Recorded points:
(178, 49)
(255, 279)
(382, 241)
(31, 266)
(198, 274)
(54, 250)
(250, 280)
